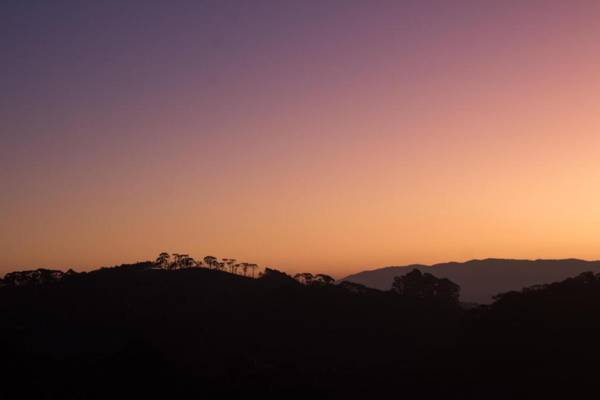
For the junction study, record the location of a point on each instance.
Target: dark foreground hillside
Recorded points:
(135, 332)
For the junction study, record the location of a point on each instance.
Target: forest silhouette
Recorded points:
(211, 328)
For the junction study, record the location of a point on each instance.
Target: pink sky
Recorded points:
(327, 138)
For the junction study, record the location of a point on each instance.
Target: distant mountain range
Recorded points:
(480, 280)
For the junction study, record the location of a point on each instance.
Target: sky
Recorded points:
(321, 136)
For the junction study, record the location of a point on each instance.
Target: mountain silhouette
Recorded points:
(205, 333)
(481, 280)
(146, 331)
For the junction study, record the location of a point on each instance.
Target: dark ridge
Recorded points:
(140, 331)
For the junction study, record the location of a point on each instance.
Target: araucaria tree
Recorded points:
(210, 261)
(163, 260)
(178, 261)
(252, 268)
(187, 262)
(230, 262)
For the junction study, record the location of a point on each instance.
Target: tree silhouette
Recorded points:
(252, 268)
(230, 263)
(323, 279)
(277, 278)
(36, 277)
(182, 261)
(210, 261)
(415, 284)
(163, 260)
(176, 260)
(187, 262)
(304, 277)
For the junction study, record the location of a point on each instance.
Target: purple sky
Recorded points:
(333, 134)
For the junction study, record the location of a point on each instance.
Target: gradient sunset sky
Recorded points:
(328, 136)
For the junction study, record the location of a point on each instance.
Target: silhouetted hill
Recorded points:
(137, 331)
(223, 330)
(480, 280)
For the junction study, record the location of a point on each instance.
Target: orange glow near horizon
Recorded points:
(334, 147)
